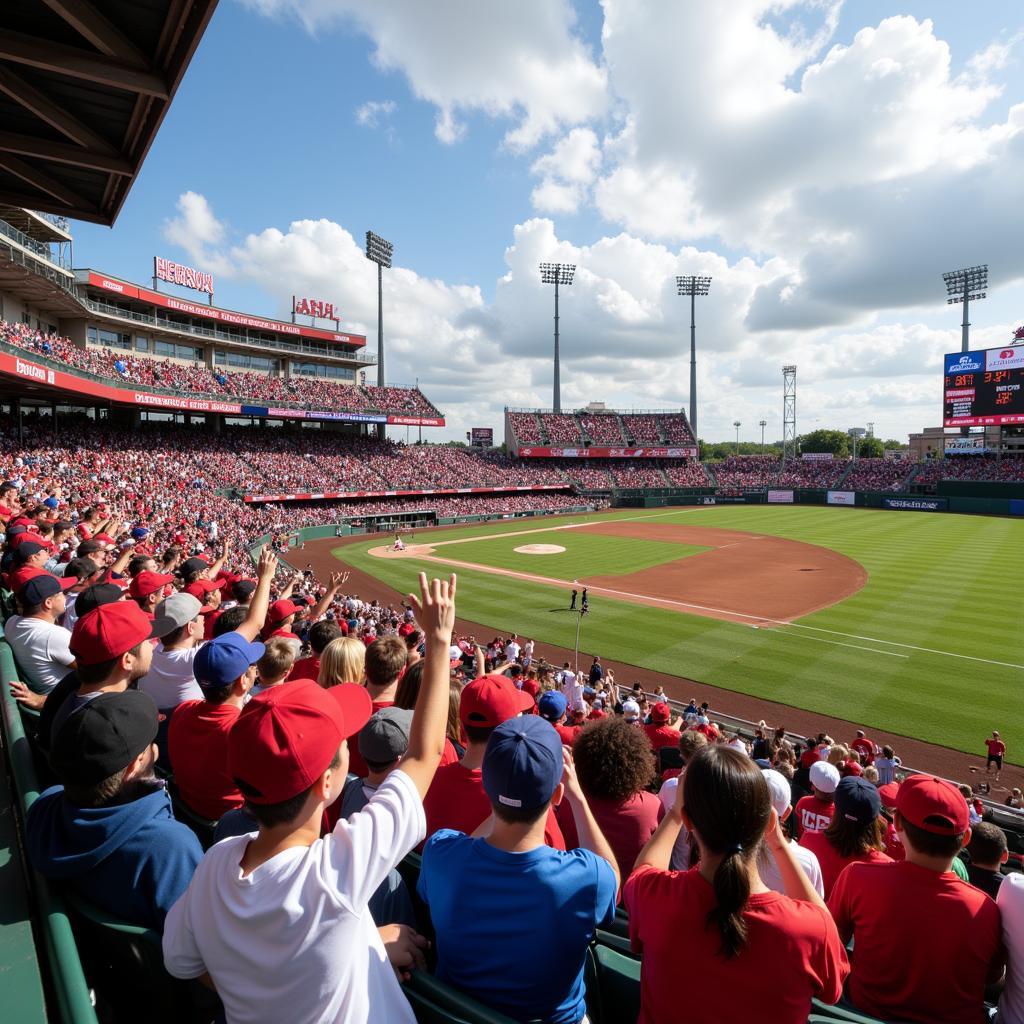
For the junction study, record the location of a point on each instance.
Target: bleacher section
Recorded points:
(602, 429)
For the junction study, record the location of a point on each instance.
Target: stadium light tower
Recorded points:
(379, 251)
(693, 286)
(557, 274)
(788, 413)
(737, 425)
(762, 424)
(963, 286)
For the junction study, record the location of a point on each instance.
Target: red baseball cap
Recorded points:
(933, 804)
(200, 588)
(490, 700)
(147, 583)
(280, 610)
(661, 712)
(889, 792)
(111, 629)
(21, 576)
(286, 737)
(105, 538)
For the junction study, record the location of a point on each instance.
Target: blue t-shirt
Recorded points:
(495, 911)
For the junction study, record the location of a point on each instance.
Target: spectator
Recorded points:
(457, 799)
(782, 797)
(989, 853)
(614, 764)
(814, 812)
(148, 589)
(198, 735)
(320, 635)
(171, 679)
(927, 943)
(524, 896)
(239, 924)
(112, 650)
(275, 664)
(1010, 901)
(385, 663)
(552, 708)
(886, 766)
(690, 743)
(856, 833)
(719, 919)
(1016, 798)
(343, 661)
(864, 747)
(996, 749)
(108, 830)
(41, 647)
(658, 731)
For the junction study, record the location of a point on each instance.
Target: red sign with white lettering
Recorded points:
(315, 308)
(187, 277)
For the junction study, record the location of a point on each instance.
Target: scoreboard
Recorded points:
(984, 388)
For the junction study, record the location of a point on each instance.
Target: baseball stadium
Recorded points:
(186, 485)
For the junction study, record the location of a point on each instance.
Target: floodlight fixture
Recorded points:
(557, 274)
(379, 250)
(693, 286)
(737, 425)
(964, 286)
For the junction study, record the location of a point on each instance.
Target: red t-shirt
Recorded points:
(661, 736)
(831, 862)
(793, 952)
(812, 814)
(893, 847)
(197, 744)
(209, 621)
(456, 799)
(568, 733)
(866, 747)
(627, 825)
(926, 943)
(996, 748)
(848, 768)
(305, 668)
(809, 756)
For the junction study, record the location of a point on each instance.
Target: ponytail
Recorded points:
(732, 890)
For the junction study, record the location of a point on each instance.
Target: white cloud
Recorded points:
(520, 61)
(566, 172)
(195, 227)
(373, 112)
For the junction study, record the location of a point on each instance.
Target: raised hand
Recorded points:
(435, 607)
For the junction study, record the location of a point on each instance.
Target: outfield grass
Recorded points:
(950, 583)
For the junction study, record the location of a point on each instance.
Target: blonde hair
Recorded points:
(342, 661)
(838, 754)
(453, 730)
(278, 659)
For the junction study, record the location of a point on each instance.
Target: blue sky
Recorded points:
(264, 129)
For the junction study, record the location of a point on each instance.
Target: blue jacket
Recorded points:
(132, 860)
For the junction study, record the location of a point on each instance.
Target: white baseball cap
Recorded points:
(630, 710)
(779, 788)
(824, 776)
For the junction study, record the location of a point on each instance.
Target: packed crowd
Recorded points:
(877, 475)
(610, 429)
(526, 427)
(311, 740)
(642, 428)
(561, 428)
(634, 473)
(751, 472)
(686, 474)
(241, 386)
(1008, 469)
(823, 473)
(602, 430)
(676, 429)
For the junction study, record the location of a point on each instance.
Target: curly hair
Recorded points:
(614, 760)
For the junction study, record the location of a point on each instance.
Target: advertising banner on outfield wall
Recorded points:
(916, 504)
(817, 456)
(607, 453)
(780, 497)
(842, 498)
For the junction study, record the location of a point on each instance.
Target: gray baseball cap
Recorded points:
(182, 608)
(385, 737)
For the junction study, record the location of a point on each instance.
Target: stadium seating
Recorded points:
(642, 428)
(603, 429)
(561, 428)
(527, 427)
(1008, 469)
(747, 472)
(818, 473)
(877, 475)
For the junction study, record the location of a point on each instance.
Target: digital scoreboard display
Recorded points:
(984, 389)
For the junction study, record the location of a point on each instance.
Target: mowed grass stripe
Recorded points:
(942, 581)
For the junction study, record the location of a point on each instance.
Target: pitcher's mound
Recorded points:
(539, 549)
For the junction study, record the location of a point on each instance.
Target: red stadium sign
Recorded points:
(315, 308)
(608, 453)
(187, 277)
(425, 492)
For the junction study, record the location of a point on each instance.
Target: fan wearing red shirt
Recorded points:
(996, 749)
(926, 942)
(745, 942)
(456, 798)
(658, 731)
(385, 664)
(320, 635)
(864, 747)
(149, 589)
(552, 707)
(614, 765)
(814, 813)
(893, 847)
(855, 834)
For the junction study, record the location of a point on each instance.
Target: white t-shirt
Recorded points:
(512, 651)
(1010, 901)
(680, 859)
(70, 615)
(571, 687)
(170, 680)
(807, 860)
(294, 940)
(41, 651)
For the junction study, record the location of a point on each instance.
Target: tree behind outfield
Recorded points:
(834, 441)
(870, 448)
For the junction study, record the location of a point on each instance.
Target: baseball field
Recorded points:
(908, 622)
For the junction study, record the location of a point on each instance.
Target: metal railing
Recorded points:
(38, 249)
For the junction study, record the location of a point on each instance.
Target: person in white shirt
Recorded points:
(778, 786)
(40, 646)
(512, 650)
(170, 680)
(1010, 901)
(278, 919)
(571, 687)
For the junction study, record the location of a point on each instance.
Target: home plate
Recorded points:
(539, 549)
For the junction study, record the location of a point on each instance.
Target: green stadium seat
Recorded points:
(614, 940)
(618, 978)
(434, 1002)
(125, 964)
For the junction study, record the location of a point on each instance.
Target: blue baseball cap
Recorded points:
(857, 800)
(552, 705)
(140, 533)
(522, 763)
(220, 662)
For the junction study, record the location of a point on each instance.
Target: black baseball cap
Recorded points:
(191, 565)
(39, 588)
(103, 737)
(243, 590)
(98, 594)
(25, 551)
